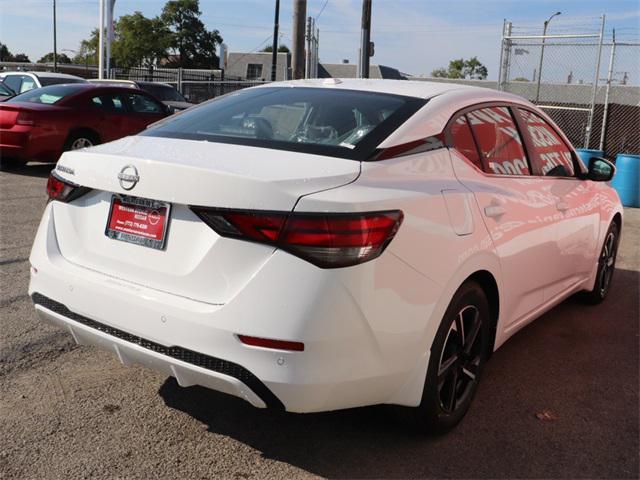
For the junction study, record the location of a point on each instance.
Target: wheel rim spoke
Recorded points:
(453, 393)
(447, 367)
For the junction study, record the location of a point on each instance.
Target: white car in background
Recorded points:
(319, 245)
(21, 82)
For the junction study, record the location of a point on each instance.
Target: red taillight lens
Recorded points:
(326, 240)
(63, 191)
(270, 343)
(25, 118)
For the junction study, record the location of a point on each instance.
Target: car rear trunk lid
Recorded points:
(195, 262)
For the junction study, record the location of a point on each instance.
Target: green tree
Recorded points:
(5, 54)
(21, 57)
(281, 49)
(474, 70)
(194, 44)
(140, 41)
(48, 58)
(440, 73)
(461, 68)
(88, 50)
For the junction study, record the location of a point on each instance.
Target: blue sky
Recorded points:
(415, 36)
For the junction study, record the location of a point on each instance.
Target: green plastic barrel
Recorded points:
(627, 179)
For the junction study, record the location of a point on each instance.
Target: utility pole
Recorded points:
(299, 17)
(55, 40)
(309, 52)
(365, 40)
(110, 34)
(544, 34)
(274, 54)
(101, 41)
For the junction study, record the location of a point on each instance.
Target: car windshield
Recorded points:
(47, 95)
(340, 123)
(46, 81)
(164, 93)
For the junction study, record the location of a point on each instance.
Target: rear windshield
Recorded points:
(48, 95)
(163, 92)
(339, 123)
(46, 81)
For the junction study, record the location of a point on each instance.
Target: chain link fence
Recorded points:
(589, 85)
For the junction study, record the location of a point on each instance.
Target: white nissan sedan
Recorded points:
(319, 245)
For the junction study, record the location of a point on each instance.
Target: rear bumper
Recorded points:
(364, 344)
(26, 143)
(189, 368)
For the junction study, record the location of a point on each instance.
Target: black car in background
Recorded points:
(164, 92)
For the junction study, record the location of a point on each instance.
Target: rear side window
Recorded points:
(334, 122)
(28, 83)
(499, 141)
(463, 141)
(550, 156)
(109, 102)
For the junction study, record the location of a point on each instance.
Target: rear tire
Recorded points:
(606, 267)
(458, 354)
(81, 139)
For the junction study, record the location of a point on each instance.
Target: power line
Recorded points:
(322, 9)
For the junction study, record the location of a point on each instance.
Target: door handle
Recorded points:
(562, 206)
(494, 211)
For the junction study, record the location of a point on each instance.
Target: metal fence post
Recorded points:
(180, 79)
(587, 137)
(503, 76)
(603, 131)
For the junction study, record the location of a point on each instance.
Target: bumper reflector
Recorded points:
(269, 343)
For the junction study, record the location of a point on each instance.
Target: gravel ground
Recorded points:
(74, 412)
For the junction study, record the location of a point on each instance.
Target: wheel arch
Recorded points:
(489, 285)
(78, 130)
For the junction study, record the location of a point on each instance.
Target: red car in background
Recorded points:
(41, 124)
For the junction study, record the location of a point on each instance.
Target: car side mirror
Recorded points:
(600, 169)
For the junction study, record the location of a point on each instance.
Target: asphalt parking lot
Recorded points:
(559, 400)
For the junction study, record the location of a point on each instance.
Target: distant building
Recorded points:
(350, 70)
(257, 66)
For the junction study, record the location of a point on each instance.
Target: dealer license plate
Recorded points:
(138, 220)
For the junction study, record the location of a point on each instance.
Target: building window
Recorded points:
(254, 71)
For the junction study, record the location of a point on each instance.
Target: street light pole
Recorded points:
(544, 33)
(101, 41)
(55, 40)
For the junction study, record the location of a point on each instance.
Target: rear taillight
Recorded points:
(324, 239)
(25, 118)
(63, 190)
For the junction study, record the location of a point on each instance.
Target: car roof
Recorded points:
(409, 88)
(44, 74)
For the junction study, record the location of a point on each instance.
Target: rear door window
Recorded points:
(109, 102)
(499, 141)
(463, 141)
(550, 156)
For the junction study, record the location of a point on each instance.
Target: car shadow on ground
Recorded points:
(559, 361)
(40, 170)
